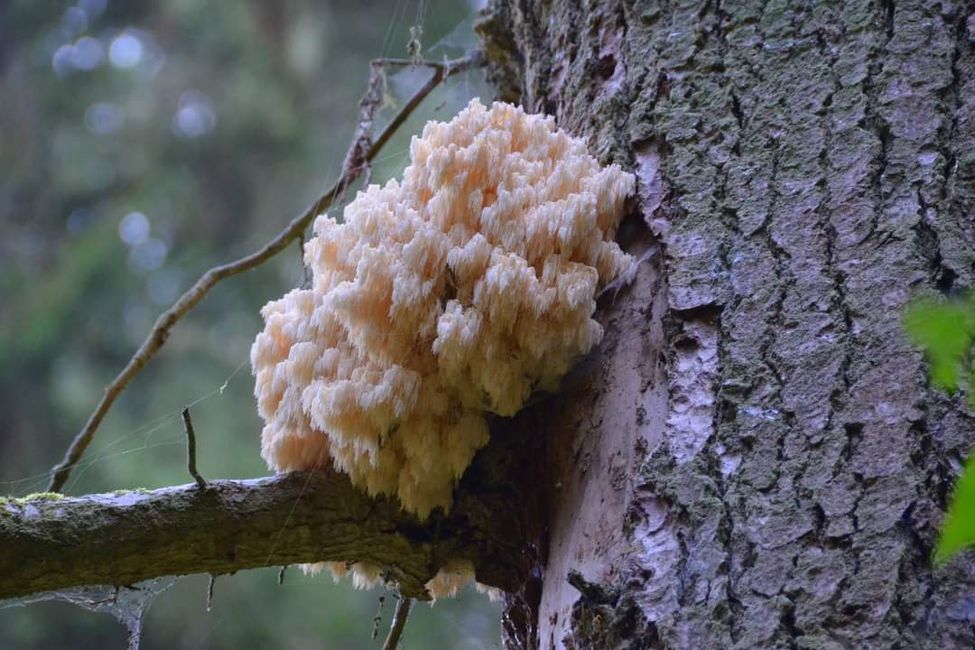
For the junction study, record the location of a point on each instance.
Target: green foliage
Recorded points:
(946, 332)
(958, 530)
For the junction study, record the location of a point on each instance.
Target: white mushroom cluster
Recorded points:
(438, 300)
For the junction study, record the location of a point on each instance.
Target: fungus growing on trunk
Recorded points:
(438, 300)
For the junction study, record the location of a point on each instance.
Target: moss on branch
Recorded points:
(124, 537)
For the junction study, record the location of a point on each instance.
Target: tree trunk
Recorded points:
(754, 458)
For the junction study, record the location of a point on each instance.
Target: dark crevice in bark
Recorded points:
(953, 95)
(872, 119)
(838, 300)
(929, 246)
(889, 9)
(788, 622)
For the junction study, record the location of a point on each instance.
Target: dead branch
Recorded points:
(53, 542)
(360, 154)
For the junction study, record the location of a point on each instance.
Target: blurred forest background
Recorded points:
(140, 144)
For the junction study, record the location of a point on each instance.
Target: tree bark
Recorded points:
(754, 458)
(53, 542)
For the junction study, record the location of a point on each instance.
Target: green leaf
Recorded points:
(945, 331)
(958, 530)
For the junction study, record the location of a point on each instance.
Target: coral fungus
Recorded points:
(437, 300)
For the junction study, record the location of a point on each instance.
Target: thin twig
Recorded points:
(306, 275)
(191, 449)
(399, 622)
(213, 580)
(403, 63)
(168, 319)
(281, 574)
(369, 105)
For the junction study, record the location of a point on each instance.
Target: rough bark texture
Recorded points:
(754, 458)
(52, 542)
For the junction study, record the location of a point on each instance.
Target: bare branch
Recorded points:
(399, 622)
(160, 332)
(53, 542)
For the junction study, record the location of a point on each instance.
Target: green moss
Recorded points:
(36, 496)
(11, 505)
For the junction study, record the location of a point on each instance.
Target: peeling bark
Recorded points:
(754, 458)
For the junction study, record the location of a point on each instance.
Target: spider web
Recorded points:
(128, 604)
